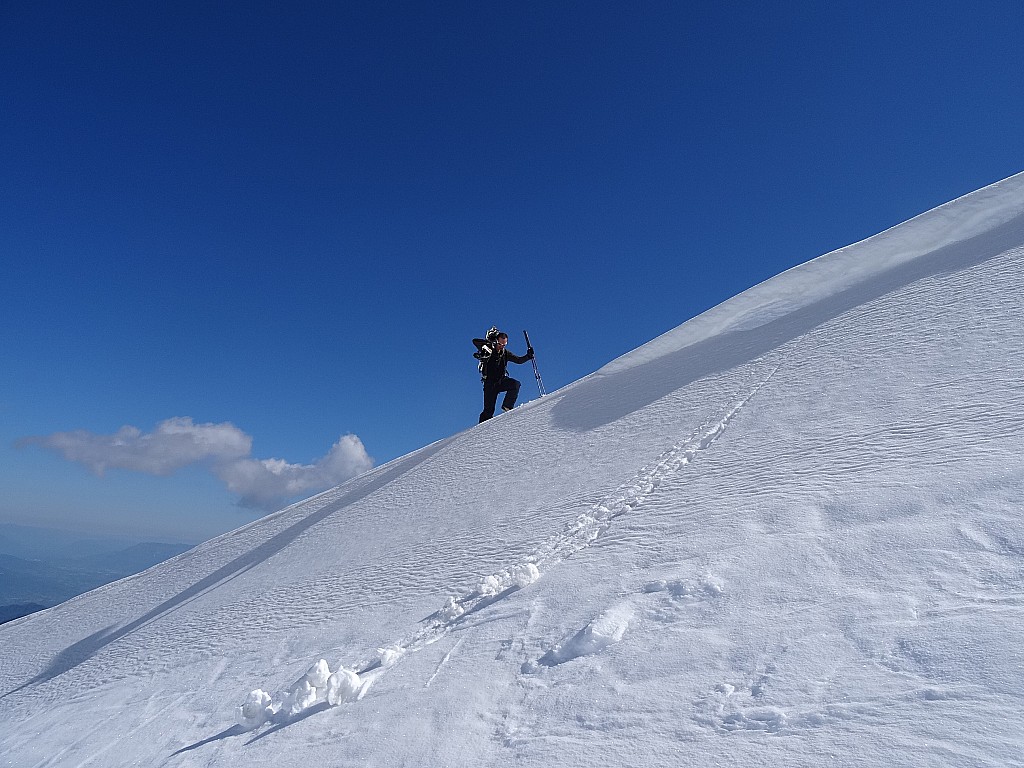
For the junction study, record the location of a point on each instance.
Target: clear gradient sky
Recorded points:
(246, 230)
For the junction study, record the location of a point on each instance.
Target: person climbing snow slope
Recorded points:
(494, 359)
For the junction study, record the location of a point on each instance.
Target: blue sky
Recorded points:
(246, 231)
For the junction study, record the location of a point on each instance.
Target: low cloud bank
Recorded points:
(223, 448)
(264, 483)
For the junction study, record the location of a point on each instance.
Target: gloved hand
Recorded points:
(529, 353)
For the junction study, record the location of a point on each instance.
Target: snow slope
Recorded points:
(786, 533)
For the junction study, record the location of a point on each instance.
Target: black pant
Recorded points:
(491, 389)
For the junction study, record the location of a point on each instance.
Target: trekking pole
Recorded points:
(536, 371)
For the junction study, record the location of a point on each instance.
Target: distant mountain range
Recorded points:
(40, 568)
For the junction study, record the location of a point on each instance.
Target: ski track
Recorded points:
(135, 729)
(444, 661)
(318, 685)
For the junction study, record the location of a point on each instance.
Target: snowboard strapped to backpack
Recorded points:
(485, 348)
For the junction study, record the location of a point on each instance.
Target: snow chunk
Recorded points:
(391, 655)
(707, 585)
(490, 585)
(607, 629)
(309, 690)
(712, 585)
(303, 697)
(318, 674)
(525, 575)
(450, 611)
(255, 710)
(610, 626)
(315, 687)
(343, 686)
(519, 576)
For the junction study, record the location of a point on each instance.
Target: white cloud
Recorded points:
(174, 444)
(264, 483)
(223, 448)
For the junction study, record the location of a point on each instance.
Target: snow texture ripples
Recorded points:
(321, 686)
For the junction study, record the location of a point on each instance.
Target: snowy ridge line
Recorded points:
(320, 686)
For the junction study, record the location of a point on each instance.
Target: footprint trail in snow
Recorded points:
(320, 685)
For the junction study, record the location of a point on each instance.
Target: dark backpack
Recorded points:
(484, 349)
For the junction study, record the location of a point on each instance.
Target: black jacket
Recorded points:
(493, 367)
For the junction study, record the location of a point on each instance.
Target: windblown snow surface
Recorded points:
(786, 533)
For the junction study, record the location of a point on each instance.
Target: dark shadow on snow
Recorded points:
(567, 652)
(235, 730)
(279, 722)
(486, 602)
(86, 648)
(285, 722)
(476, 603)
(604, 398)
